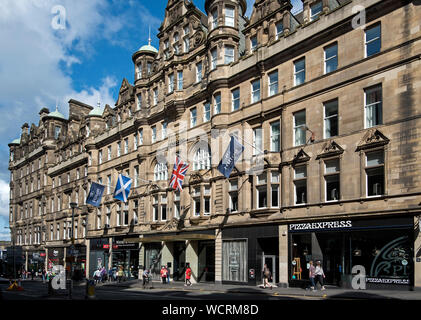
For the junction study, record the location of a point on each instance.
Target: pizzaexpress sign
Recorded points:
(324, 225)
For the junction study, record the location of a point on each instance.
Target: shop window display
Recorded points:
(386, 255)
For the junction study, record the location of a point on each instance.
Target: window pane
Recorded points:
(235, 99)
(375, 158)
(262, 197)
(275, 137)
(273, 83)
(331, 58)
(331, 119)
(261, 179)
(275, 195)
(316, 9)
(299, 71)
(332, 166)
(332, 187)
(375, 181)
(373, 40)
(300, 192)
(300, 172)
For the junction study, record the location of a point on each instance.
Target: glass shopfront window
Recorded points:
(234, 267)
(385, 253)
(153, 259)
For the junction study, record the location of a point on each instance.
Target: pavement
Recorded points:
(201, 289)
(331, 292)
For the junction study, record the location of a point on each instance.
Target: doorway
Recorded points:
(179, 261)
(270, 261)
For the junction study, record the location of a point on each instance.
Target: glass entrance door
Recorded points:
(270, 261)
(179, 261)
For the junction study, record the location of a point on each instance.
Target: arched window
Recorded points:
(202, 158)
(160, 172)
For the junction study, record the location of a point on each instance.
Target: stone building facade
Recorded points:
(325, 104)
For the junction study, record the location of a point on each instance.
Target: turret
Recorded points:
(225, 24)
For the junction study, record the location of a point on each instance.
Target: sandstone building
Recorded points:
(328, 98)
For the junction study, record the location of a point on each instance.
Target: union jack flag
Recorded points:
(178, 173)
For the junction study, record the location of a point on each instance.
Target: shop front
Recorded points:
(98, 254)
(76, 262)
(55, 258)
(36, 260)
(206, 254)
(383, 248)
(246, 250)
(126, 255)
(153, 252)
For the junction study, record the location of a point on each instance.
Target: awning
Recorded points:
(173, 237)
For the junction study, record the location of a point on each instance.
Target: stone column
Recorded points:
(192, 258)
(417, 254)
(110, 252)
(26, 260)
(218, 256)
(88, 258)
(141, 259)
(286, 21)
(46, 260)
(283, 255)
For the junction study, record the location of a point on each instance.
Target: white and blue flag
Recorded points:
(122, 189)
(231, 155)
(95, 194)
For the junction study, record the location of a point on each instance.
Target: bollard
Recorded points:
(50, 287)
(90, 289)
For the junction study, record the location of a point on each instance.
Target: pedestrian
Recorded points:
(188, 276)
(163, 275)
(168, 274)
(319, 275)
(43, 274)
(120, 274)
(32, 274)
(311, 271)
(103, 274)
(267, 275)
(110, 275)
(145, 277)
(97, 275)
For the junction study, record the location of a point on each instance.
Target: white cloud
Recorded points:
(91, 95)
(4, 198)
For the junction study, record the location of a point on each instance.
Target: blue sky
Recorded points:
(40, 64)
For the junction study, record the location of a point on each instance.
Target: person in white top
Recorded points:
(319, 275)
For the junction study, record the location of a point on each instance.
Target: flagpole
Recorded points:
(233, 134)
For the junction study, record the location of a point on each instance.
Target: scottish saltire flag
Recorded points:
(178, 174)
(122, 188)
(95, 194)
(231, 155)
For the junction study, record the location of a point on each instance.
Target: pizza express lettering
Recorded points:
(321, 225)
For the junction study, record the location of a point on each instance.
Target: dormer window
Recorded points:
(279, 29)
(253, 43)
(316, 10)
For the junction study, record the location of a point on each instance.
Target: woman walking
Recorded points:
(266, 276)
(311, 271)
(319, 275)
(188, 276)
